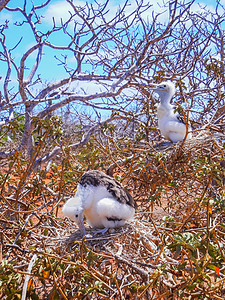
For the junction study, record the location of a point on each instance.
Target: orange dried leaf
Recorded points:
(214, 268)
(30, 285)
(46, 274)
(217, 270)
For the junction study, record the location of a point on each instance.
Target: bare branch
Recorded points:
(7, 78)
(3, 4)
(84, 140)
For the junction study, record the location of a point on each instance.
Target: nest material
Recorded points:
(145, 258)
(132, 252)
(167, 162)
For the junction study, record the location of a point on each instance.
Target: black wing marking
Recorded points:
(114, 219)
(180, 118)
(179, 115)
(95, 178)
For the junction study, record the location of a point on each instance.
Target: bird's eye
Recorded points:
(164, 85)
(76, 216)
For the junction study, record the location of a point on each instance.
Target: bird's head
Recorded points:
(165, 90)
(78, 218)
(77, 214)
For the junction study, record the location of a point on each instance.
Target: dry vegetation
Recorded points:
(100, 114)
(174, 247)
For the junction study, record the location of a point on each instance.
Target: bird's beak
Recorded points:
(80, 224)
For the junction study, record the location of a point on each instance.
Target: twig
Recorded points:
(198, 204)
(27, 277)
(18, 235)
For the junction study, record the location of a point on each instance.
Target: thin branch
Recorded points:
(27, 277)
(84, 140)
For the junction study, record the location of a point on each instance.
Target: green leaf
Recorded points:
(34, 296)
(178, 249)
(214, 268)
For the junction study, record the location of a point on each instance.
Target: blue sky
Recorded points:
(59, 9)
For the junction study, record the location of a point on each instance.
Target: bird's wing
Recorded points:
(180, 116)
(114, 210)
(96, 178)
(91, 178)
(176, 126)
(121, 194)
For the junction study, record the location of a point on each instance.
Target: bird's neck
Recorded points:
(165, 97)
(165, 108)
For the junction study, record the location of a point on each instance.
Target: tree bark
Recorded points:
(3, 3)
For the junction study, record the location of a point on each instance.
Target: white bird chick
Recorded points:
(171, 124)
(102, 200)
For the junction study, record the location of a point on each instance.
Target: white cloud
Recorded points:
(201, 7)
(156, 6)
(60, 11)
(6, 16)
